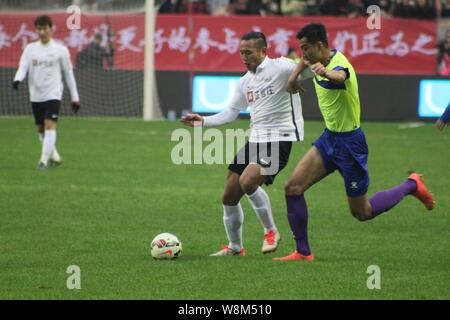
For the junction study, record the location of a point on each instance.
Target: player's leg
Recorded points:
(251, 180)
(309, 170)
(38, 109)
(51, 118)
(233, 216)
(55, 158)
(40, 128)
(353, 167)
(363, 208)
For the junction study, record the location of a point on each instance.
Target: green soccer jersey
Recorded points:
(339, 103)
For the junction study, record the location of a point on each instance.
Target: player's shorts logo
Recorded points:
(354, 185)
(264, 163)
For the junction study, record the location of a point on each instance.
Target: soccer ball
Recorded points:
(165, 246)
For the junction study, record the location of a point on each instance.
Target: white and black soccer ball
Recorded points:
(165, 246)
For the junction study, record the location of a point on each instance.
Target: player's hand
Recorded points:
(440, 125)
(319, 69)
(15, 85)
(192, 120)
(75, 106)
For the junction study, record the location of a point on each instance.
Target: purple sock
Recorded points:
(385, 200)
(298, 220)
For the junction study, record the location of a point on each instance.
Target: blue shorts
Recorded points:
(346, 152)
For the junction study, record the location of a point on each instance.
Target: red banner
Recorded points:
(206, 43)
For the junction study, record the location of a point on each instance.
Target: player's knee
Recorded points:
(361, 215)
(229, 199)
(292, 189)
(248, 184)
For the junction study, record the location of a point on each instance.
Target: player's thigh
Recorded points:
(308, 171)
(52, 108)
(232, 193)
(360, 207)
(39, 115)
(252, 177)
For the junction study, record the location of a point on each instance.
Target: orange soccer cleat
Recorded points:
(296, 256)
(422, 193)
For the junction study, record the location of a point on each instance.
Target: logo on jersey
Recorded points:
(255, 95)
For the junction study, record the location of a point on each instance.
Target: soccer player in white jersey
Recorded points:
(276, 121)
(45, 61)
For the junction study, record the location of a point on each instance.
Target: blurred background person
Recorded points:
(443, 57)
(95, 56)
(293, 55)
(292, 7)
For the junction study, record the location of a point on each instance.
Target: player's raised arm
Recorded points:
(67, 68)
(337, 76)
(301, 72)
(22, 70)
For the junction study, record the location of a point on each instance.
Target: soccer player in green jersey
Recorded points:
(342, 146)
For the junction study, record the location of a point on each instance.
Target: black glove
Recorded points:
(75, 106)
(16, 85)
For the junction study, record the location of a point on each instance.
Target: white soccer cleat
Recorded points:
(271, 241)
(228, 252)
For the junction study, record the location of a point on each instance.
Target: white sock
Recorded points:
(233, 218)
(55, 155)
(260, 202)
(48, 145)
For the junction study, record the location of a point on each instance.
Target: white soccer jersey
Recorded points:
(45, 65)
(275, 115)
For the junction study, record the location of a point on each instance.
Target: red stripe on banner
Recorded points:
(401, 46)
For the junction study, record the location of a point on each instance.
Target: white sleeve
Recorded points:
(23, 66)
(237, 104)
(67, 68)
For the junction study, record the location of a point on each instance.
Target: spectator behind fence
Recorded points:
(292, 7)
(443, 58)
(333, 7)
(182, 6)
(95, 56)
(443, 8)
(355, 8)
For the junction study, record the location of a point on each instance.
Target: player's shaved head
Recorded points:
(258, 37)
(314, 32)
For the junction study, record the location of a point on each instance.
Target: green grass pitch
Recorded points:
(118, 188)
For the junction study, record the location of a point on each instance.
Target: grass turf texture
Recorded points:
(118, 188)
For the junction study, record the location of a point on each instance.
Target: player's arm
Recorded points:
(67, 69)
(22, 70)
(444, 120)
(337, 75)
(221, 118)
(230, 114)
(301, 72)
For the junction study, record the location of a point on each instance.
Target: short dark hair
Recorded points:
(290, 50)
(258, 36)
(314, 32)
(43, 21)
